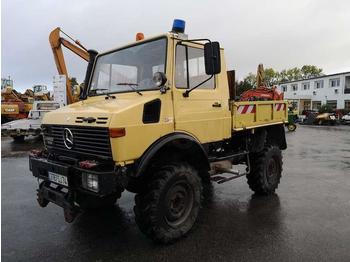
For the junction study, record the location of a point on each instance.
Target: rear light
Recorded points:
(116, 132)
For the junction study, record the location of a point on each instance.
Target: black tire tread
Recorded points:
(145, 208)
(256, 178)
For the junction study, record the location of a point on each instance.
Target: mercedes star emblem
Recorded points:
(68, 138)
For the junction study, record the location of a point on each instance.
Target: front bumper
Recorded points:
(108, 180)
(69, 197)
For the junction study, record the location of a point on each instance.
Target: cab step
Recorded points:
(222, 179)
(222, 171)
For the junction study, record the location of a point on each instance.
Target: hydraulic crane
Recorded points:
(262, 91)
(56, 42)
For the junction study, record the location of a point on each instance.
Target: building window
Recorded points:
(347, 104)
(284, 88)
(318, 84)
(295, 87)
(306, 85)
(316, 105)
(347, 85)
(332, 104)
(334, 82)
(294, 104)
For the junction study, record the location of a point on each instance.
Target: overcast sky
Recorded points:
(278, 33)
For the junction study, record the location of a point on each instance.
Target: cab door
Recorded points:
(204, 112)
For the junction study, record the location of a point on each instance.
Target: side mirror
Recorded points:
(212, 58)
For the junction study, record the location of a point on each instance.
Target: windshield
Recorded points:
(129, 69)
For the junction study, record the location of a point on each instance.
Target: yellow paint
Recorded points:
(194, 115)
(265, 114)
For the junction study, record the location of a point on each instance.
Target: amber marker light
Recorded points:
(139, 36)
(116, 132)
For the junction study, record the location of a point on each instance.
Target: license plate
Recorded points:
(57, 178)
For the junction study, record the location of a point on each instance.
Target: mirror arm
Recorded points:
(194, 40)
(186, 93)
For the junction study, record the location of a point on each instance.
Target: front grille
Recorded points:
(90, 141)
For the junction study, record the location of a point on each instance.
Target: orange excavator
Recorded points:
(262, 91)
(14, 105)
(56, 42)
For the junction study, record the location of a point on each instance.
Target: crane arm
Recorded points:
(56, 42)
(261, 92)
(260, 76)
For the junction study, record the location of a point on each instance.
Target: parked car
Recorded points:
(346, 119)
(31, 126)
(326, 119)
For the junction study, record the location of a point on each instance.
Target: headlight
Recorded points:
(90, 181)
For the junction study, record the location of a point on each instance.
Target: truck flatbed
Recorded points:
(252, 114)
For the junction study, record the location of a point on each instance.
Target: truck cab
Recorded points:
(155, 119)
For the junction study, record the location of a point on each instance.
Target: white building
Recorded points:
(311, 93)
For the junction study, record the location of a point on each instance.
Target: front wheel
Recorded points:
(291, 127)
(169, 207)
(266, 170)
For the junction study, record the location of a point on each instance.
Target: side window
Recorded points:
(190, 68)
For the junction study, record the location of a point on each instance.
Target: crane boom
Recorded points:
(56, 42)
(262, 91)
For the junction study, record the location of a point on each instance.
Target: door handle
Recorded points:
(217, 104)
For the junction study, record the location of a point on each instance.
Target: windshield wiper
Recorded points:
(94, 91)
(102, 89)
(132, 86)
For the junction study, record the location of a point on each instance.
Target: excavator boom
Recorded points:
(261, 92)
(56, 42)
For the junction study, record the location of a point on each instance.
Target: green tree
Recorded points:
(308, 71)
(325, 109)
(247, 83)
(293, 74)
(250, 80)
(283, 76)
(271, 77)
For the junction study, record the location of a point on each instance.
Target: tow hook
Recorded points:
(42, 201)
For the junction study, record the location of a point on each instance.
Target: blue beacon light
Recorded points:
(178, 26)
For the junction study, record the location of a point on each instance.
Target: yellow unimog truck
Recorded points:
(157, 119)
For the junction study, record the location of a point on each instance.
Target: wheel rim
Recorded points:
(291, 127)
(179, 203)
(272, 171)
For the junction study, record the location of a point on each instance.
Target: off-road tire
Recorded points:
(291, 127)
(169, 207)
(266, 170)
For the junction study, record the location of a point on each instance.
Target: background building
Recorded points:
(311, 93)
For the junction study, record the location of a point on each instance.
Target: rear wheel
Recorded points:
(169, 207)
(266, 169)
(291, 127)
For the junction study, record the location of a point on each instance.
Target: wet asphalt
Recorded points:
(307, 220)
